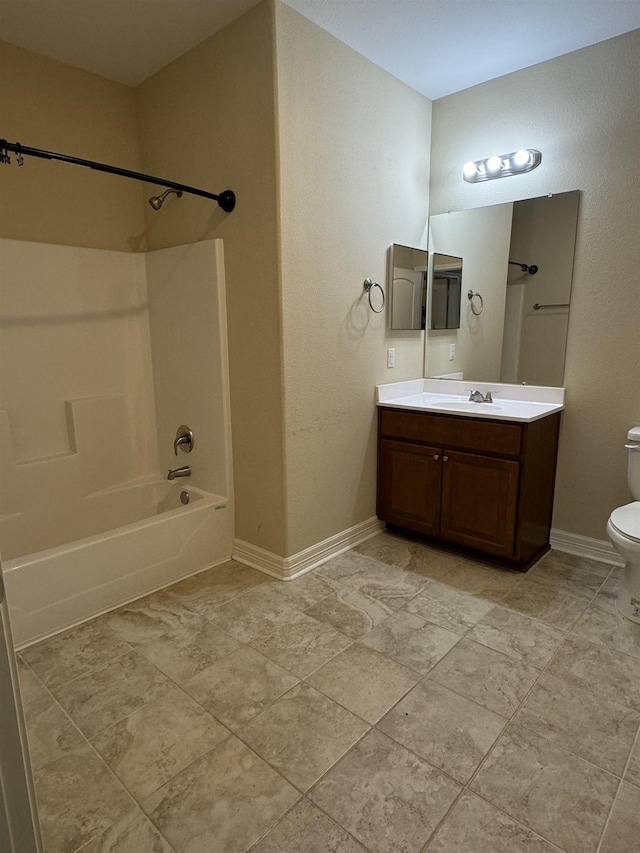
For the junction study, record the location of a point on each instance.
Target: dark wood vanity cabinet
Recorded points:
(486, 485)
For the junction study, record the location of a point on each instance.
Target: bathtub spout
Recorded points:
(185, 471)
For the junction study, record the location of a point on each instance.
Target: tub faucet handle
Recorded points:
(183, 440)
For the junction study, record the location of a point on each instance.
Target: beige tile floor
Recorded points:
(399, 698)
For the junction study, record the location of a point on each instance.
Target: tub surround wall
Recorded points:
(187, 312)
(87, 522)
(76, 398)
(77, 413)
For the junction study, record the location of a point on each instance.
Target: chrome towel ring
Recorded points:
(369, 285)
(471, 296)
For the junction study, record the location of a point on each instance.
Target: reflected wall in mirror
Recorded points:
(446, 287)
(408, 287)
(521, 334)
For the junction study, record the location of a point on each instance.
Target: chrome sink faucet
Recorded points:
(479, 397)
(184, 471)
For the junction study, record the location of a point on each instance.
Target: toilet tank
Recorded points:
(633, 449)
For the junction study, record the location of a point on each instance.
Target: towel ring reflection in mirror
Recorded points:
(369, 286)
(471, 295)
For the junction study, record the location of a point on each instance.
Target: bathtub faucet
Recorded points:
(185, 471)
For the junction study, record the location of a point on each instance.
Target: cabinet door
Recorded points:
(479, 502)
(410, 477)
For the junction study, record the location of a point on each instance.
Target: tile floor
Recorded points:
(399, 698)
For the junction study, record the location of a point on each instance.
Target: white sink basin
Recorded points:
(467, 406)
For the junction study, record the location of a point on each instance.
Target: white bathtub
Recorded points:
(61, 586)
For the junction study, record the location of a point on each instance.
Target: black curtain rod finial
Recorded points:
(227, 200)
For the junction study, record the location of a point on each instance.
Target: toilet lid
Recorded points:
(626, 520)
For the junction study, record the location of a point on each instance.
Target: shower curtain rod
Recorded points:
(226, 200)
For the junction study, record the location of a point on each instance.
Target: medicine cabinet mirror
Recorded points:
(408, 287)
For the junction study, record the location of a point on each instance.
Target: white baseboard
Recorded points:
(585, 546)
(288, 568)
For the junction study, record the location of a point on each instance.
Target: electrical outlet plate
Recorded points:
(391, 357)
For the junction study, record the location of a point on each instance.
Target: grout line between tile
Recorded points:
(121, 678)
(295, 806)
(509, 725)
(104, 763)
(305, 792)
(34, 673)
(188, 696)
(75, 726)
(91, 671)
(170, 848)
(617, 794)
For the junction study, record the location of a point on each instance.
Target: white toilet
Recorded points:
(623, 528)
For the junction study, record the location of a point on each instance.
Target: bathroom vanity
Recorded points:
(475, 475)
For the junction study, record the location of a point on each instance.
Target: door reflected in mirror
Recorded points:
(408, 287)
(518, 257)
(446, 287)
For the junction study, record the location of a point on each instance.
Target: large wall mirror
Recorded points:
(408, 287)
(446, 289)
(519, 258)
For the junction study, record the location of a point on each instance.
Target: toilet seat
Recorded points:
(626, 520)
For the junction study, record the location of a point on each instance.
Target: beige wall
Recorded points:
(353, 171)
(208, 119)
(580, 110)
(185, 287)
(50, 105)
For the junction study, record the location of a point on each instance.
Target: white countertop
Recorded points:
(521, 403)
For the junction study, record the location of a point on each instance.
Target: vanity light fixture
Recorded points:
(501, 166)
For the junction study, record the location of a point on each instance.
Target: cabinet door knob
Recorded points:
(436, 456)
(445, 458)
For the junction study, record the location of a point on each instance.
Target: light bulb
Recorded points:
(470, 169)
(521, 158)
(494, 164)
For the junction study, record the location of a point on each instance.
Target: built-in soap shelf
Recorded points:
(100, 455)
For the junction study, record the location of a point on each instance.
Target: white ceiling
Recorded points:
(435, 46)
